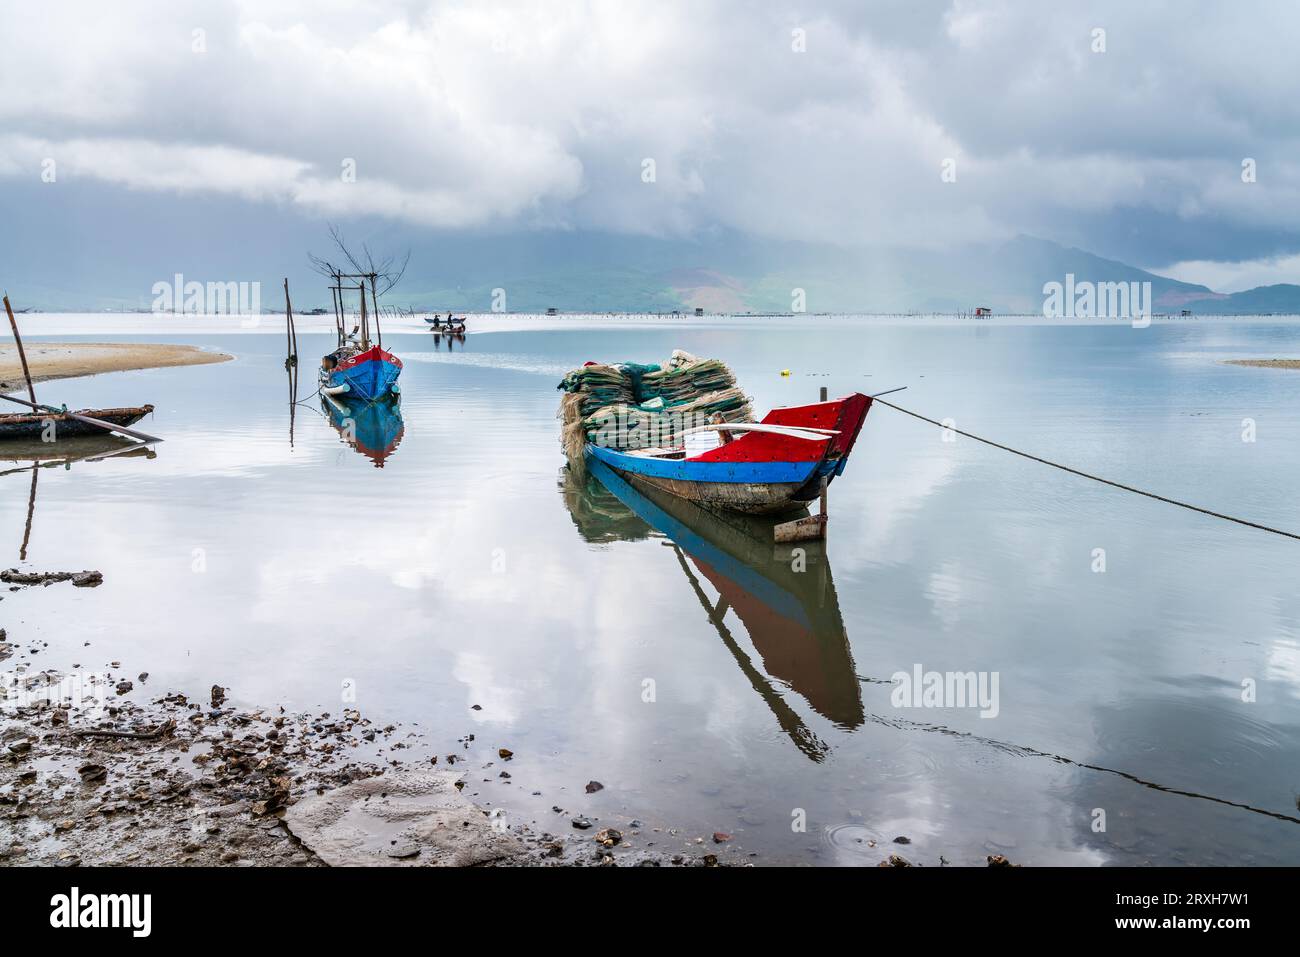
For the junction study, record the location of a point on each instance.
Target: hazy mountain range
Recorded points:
(76, 259)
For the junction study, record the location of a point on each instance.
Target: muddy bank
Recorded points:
(67, 360)
(1264, 363)
(134, 778)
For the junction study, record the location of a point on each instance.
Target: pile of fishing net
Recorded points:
(631, 406)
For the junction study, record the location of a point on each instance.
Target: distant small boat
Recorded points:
(367, 375)
(33, 425)
(774, 466)
(445, 325)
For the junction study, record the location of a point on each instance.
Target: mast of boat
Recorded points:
(336, 297)
(374, 298)
(365, 318)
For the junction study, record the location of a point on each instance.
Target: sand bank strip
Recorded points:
(67, 360)
(1265, 363)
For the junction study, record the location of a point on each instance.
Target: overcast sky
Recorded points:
(535, 116)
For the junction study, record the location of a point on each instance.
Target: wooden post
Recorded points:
(825, 482)
(379, 332)
(823, 516)
(291, 334)
(22, 356)
(365, 322)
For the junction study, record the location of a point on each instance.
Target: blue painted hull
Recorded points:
(683, 470)
(368, 379)
(765, 471)
(757, 488)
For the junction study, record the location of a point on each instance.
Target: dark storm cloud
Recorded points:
(818, 122)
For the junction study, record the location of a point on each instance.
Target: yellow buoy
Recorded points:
(785, 372)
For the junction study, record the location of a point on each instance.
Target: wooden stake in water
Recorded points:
(291, 334)
(22, 356)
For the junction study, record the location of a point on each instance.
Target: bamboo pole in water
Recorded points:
(290, 332)
(22, 356)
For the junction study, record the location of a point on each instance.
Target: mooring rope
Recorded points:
(1095, 478)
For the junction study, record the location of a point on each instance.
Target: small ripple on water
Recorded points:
(857, 839)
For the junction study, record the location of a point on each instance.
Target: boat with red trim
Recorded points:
(359, 369)
(773, 466)
(364, 374)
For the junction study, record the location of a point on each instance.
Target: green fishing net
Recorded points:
(629, 405)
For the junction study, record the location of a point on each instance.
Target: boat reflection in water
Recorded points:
(374, 429)
(792, 617)
(17, 457)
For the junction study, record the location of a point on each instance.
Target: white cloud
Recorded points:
(462, 115)
(1236, 276)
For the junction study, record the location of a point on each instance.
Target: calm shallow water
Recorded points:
(471, 570)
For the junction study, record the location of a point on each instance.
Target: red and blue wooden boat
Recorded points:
(774, 466)
(367, 375)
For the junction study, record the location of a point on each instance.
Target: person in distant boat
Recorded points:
(329, 363)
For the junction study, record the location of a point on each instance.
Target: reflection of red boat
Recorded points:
(775, 465)
(374, 429)
(791, 617)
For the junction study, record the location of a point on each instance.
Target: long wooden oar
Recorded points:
(109, 426)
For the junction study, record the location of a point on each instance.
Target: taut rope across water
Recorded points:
(1087, 475)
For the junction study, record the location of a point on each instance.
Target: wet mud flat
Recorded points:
(148, 780)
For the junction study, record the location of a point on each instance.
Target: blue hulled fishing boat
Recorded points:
(366, 375)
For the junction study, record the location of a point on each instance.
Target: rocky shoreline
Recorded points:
(111, 779)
